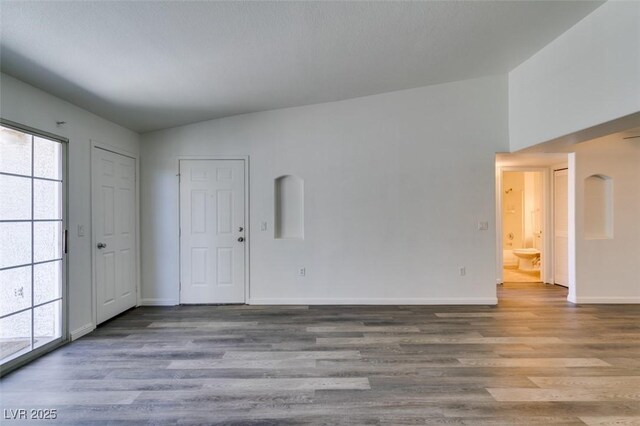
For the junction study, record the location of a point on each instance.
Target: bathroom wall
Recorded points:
(532, 213)
(512, 210)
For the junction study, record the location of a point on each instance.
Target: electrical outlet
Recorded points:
(263, 226)
(463, 271)
(483, 226)
(302, 272)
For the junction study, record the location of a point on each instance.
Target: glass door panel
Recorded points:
(31, 238)
(46, 323)
(15, 244)
(16, 290)
(15, 335)
(15, 152)
(15, 193)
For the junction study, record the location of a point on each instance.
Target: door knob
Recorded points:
(241, 239)
(102, 245)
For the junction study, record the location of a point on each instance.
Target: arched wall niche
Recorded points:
(289, 207)
(598, 207)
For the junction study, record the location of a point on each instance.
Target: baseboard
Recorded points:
(158, 302)
(79, 332)
(608, 300)
(377, 301)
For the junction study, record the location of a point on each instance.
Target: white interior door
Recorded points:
(561, 227)
(114, 232)
(212, 231)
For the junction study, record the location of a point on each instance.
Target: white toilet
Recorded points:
(528, 258)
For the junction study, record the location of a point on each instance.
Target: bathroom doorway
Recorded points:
(522, 210)
(525, 210)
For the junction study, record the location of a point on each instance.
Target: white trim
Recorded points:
(136, 156)
(376, 301)
(79, 332)
(158, 302)
(572, 295)
(498, 213)
(115, 149)
(632, 300)
(247, 222)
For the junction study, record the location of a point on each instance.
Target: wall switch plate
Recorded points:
(302, 272)
(263, 226)
(483, 226)
(463, 271)
(80, 230)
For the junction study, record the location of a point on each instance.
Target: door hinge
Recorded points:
(65, 241)
(180, 285)
(179, 232)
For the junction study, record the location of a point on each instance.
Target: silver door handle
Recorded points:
(102, 245)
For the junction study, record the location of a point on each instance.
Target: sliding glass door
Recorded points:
(32, 231)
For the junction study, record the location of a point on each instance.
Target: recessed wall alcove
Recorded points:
(289, 207)
(598, 207)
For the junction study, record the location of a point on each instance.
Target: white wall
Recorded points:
(608, 270)
(24, 104)
(394, 187)
(587, 76)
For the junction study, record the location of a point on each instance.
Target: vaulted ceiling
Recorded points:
(154, 65)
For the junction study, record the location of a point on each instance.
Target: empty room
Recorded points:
(320, 212)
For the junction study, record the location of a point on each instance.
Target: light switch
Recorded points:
(483, 226)
(263, 226)
(80, 230)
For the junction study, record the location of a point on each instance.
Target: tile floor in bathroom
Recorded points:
(512, 275)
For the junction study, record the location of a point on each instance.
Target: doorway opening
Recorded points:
(532, 219)
(522, 222)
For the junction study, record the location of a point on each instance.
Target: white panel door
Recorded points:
(114, 227)
(561, 228)
(212, 231)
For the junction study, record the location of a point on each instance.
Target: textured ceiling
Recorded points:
(154, 65)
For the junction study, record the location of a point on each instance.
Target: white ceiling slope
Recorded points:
(153, 65)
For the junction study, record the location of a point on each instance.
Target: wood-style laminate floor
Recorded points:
(533, 359)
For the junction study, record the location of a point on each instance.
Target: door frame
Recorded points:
(94, 290)
(547, 221)
(554, 169)
(247, 228)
